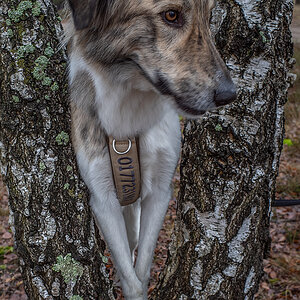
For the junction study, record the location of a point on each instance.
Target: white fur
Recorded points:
(130, 107)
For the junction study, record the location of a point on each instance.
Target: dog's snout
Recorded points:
(225, 94)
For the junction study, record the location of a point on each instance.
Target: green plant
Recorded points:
(5, 250)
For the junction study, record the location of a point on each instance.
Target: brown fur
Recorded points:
(180, 62)
(86, 128)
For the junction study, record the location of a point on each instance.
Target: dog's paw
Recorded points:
(145, 281)
(133, 290)
(136, 297)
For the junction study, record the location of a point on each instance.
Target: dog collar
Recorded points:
(124, 158)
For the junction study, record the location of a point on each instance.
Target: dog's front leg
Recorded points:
(154, 208)
(108, 214)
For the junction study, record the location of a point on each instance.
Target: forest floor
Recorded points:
(282, 267)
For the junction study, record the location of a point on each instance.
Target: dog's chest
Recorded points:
(159, 153)
(125, 108)
(125, 111)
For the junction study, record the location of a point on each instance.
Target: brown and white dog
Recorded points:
(134, 65)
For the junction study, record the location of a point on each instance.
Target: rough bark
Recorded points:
(49, 209)
(230, 161)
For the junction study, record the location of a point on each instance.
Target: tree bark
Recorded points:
(230, 161)
(55, 236)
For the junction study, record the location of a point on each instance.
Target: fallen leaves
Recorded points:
(7, 235)
(282, 268)
(11, 283)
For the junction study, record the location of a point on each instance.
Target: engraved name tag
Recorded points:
(126, 169)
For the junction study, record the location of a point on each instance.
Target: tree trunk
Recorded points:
(230, 161)
(55, 236)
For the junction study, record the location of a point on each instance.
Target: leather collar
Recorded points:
(124, 157)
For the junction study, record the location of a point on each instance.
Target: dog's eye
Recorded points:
(171, 15)
(173, 18)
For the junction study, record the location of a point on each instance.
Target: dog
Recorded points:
(135, 65)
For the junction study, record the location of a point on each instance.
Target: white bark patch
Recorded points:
(279, 116)
(250, 127)
(258, 175)
(196, 277)
(47, 119)
(230, 271)
(91, 240)
(250, 281)
(24, 181)
(49, 159)
(236, 249)
(46, 231)
(277, 143)
(186, 234)
(38, 282)
(79, 206)
(4, 36)
(257, 71)
(213, 285)
(11, 221)
(251, 12)
(3, 165)
(30, 36)
(69, 239)
(225, 188)
(45, 4)
(17, 84)
(187, 206)
(41, 258)
(3, 11)
(69, 289)
(50, 225)
(82, 250)
(55, 289)
(213, 225)
(219, 14)
(203, 248)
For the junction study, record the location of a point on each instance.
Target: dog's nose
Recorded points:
(225, 94)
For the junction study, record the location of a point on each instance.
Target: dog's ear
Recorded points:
(83, 12)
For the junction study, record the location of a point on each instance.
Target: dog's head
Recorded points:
(168, 41)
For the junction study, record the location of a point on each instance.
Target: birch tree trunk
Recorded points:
(55, 236)
(230, 161)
